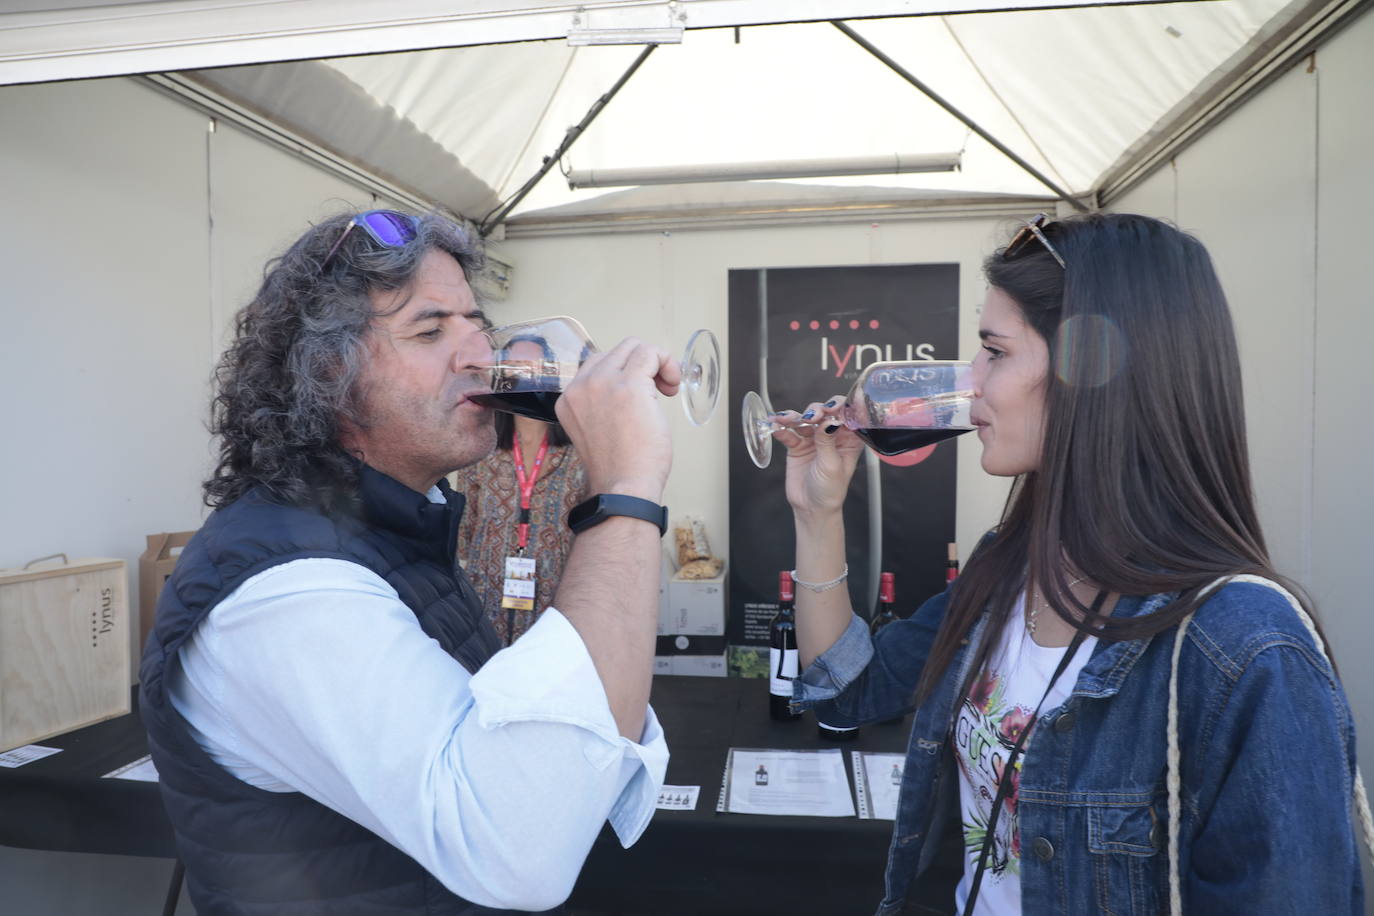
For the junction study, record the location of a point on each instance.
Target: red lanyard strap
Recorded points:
(526, 485)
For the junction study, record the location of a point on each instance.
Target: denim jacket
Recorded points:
(1268, 757)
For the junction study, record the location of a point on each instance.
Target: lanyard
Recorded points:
(1004, 784)
(526, 486)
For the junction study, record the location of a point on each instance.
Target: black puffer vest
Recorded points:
(250, 852)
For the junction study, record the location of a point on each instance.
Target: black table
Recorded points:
(693, 862)
(687, 862)
(60, 803)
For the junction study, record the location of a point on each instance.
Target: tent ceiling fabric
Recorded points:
(321, 104)
(73, 39)
(1074, 91)
(1070, 90)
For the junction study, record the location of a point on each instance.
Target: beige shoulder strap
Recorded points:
(1175, 781)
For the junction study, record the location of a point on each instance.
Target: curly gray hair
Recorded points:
(289, 378)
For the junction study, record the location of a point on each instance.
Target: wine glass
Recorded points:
(534, 360)
(895, 407)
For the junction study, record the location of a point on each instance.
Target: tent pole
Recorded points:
(935, 97)
(492, 219)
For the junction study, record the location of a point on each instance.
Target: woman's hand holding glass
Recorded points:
(821, 456)
(893, 407)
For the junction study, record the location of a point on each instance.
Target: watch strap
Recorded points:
(602, 506)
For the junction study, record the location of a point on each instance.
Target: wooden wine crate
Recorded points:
(64, 648)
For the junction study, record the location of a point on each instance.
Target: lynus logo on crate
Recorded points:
(105, 622)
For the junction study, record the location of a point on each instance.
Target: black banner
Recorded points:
(816, 328)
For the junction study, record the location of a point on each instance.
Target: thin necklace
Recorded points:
(1035, 608)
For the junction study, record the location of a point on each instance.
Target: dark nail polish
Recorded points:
(808, 415)
(831, 402)
(830, 430)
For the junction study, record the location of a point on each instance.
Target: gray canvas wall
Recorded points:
(1281, 193)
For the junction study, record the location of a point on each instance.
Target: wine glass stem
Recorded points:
(691, 375)
(771, 428)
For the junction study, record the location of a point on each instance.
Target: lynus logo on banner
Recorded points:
(802, 335)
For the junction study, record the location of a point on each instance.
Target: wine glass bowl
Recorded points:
(533, 361)
(898, 407)
(894, 407)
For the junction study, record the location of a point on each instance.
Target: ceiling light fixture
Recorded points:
(582, 33)
(895, 164)
(664, 36)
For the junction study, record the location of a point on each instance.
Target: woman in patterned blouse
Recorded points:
(489, 532)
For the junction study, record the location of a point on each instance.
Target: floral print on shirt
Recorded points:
(984, 735)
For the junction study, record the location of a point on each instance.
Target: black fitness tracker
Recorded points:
(604, 505)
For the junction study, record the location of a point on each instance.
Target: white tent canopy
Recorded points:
(1085, 95)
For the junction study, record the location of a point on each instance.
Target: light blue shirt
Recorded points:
(313, 676)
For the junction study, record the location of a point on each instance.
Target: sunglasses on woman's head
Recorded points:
(1033, 231)
(388, 228)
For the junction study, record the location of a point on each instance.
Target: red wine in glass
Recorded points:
(898, 441)
(535, 404)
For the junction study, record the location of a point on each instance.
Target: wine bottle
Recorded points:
(782, 654)
(887, 594)
(952, 563)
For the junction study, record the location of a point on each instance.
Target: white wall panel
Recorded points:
(1342, 535)
(103, 364)
(107, 328)
(1281, 192)
(1258, 221)
(114, 329)
(1157, 195)
(262, 199)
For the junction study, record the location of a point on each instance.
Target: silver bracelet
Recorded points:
(819, 587)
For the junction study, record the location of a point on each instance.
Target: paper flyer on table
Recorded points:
(678, 798)
(141, 770)
(877, 780)
(759, 781)
(26, 754)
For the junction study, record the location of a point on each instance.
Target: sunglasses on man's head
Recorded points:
(1033, 231)
(388, 228)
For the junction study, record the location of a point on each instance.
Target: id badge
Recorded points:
(517, 593)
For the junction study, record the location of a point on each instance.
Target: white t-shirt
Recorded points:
(999, 706)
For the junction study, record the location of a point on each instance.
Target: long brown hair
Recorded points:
(1144, 477)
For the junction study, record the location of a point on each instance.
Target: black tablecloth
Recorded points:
(691, 862)
(61, 802)
(686, 862)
